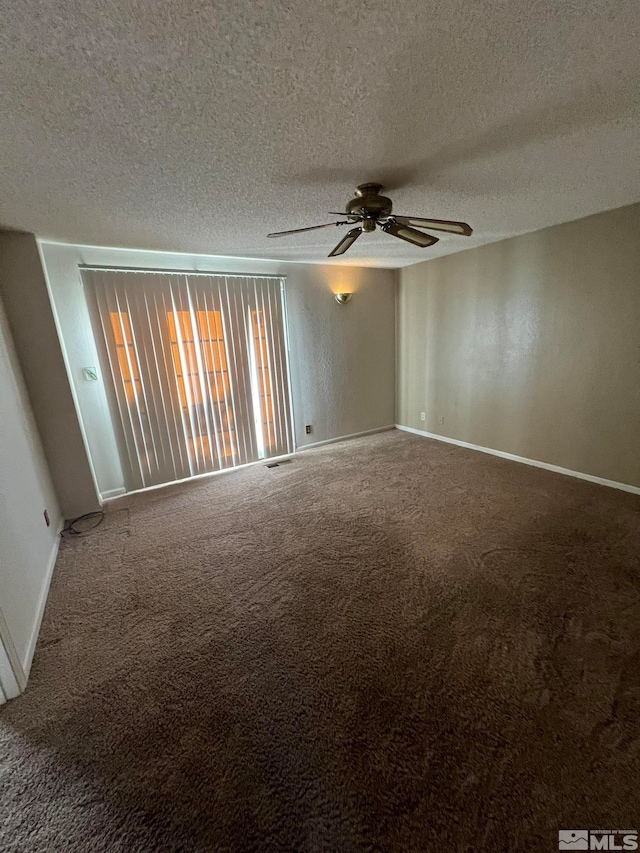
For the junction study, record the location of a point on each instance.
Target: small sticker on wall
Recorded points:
(90, 374)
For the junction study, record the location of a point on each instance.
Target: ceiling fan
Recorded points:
(372, 210)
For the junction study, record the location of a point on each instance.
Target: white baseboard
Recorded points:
(113, 493)
(9, 687)
(248, 464)
(12, 678)
(42, 602)
(345, 437)
(536, 464)
(14, 672)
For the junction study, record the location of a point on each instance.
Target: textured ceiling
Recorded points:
(197, 126)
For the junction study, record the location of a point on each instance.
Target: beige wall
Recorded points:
(531, 346)
(27, 546)
(342, 358)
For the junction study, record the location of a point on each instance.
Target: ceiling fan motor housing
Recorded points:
(370, 204)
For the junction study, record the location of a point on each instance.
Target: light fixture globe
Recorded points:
(343, 298)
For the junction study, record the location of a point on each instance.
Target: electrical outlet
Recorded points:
(441, 420)
(307, 429)
(423, 416)
(46, 518)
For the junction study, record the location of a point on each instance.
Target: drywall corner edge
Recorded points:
(67, 366)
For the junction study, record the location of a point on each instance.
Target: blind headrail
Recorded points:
(156, 270)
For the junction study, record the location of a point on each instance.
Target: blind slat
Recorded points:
(198, 366)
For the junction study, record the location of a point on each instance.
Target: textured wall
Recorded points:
(27, 545)
(531, 346)
(342, 358)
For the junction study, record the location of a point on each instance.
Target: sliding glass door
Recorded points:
(198, 370)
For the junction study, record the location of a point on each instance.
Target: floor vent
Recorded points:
(278, 464)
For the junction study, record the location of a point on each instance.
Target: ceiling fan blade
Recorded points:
(352, 215)
(311, 228)
(435, 224)
(348, 240)
(418, 238)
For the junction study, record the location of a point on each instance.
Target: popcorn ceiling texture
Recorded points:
(200, 127)
(388, 645)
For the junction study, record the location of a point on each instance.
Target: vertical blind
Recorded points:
(198, 368)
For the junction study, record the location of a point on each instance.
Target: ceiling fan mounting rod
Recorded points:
(369, 189)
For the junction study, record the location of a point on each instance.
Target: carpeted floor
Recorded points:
(390, 644)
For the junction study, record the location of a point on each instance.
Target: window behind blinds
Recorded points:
(198, 367)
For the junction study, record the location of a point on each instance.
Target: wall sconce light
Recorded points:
(343, 298)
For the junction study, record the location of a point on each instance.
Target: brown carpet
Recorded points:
(390, 644)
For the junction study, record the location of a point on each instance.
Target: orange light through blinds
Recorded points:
(211, 361)
(198, 366)
(263, 376)
(127, 361)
